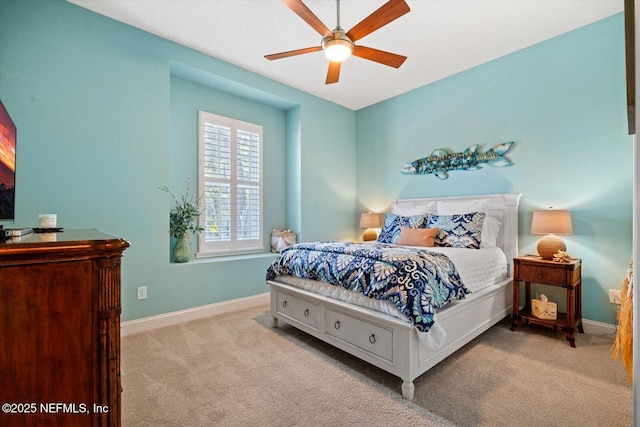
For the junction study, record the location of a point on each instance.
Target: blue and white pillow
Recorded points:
(392, 223)
(459, 230)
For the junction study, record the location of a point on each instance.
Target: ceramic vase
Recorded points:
(182, 249)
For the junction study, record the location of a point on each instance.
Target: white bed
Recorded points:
(374, 333)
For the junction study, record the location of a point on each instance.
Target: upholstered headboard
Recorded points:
(503, 207)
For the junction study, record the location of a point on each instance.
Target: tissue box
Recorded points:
(544, 309)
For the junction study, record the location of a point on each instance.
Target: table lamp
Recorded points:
(551, 222)
(369, 221)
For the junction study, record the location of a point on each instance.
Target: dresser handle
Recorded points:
(284, 303)
(372, 339)
(337, 325)
(306, 313)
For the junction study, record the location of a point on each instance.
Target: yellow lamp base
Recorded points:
(369, 234)
(549, 245)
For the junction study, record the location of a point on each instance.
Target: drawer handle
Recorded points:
(306, 313)
(337, 325)
(284, 303)
(372, 339)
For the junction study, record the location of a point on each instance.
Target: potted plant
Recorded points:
(183, 220)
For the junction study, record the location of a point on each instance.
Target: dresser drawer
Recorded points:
(298, 309)
(547, 275)
(371, 338)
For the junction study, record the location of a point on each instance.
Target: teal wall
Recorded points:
(563, 102)
(107, 113)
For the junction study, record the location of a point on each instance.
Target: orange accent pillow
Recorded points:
(417, 236)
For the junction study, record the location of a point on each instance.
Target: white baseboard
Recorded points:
(137, 326)
(598, 328)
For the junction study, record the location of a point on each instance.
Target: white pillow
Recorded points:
(490, 230)
(446, 207)
(424, 208)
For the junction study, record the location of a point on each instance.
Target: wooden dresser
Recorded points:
(60, 329)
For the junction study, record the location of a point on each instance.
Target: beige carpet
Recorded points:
(235, 370)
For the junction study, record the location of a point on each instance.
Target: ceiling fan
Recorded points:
(338, 45)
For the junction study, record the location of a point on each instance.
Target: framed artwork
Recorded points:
(7, 165)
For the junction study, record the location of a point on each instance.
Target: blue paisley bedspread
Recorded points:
(415, 280)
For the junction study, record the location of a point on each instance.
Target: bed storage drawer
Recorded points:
(298, 309)
(371, 338)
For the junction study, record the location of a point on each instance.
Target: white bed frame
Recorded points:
(388, 342)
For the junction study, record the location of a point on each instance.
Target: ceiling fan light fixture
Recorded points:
(337, 48)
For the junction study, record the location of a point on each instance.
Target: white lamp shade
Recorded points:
(369, 220)
(551, 222)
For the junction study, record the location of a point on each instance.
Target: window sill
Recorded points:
(226, 258)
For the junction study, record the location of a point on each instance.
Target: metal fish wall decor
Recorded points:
(440, 161)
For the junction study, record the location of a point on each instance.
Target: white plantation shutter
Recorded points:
(231, 184)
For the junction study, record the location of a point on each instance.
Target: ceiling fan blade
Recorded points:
(390, 11)
(309, 17)
(380, 56)
(292, 53)
(333, 74)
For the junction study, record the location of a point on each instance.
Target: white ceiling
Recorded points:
(439, 37)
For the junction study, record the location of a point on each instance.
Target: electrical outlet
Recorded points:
(142, 292)
(614, 296)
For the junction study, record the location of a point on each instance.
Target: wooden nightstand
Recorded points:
(532, 269)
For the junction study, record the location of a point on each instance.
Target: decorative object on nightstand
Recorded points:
(562, 256)
(533, 269)
(369, 221)
(551, 222)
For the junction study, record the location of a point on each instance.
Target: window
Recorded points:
(230, 171)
